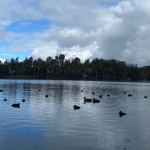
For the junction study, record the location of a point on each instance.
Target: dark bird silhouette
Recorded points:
(121, 113)
(100, 96)
(124, 92)
(1, 90)
(16, 105)
(96, 101)
(108, 95)
(5, 99)
(87, 100)
(93, 92)
(23, 100)
(145, 97)
(46, 96)
(129, 95)
(76, 107)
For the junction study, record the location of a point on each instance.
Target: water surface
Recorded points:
(51, 123)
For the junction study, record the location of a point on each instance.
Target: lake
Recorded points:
(51, 123)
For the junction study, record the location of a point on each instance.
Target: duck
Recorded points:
(5, 99)
(121, 113)
(145, 97)
(46, 96)
(23, 100)
(76, 107)
(96, 101)
(87, 100)
(17, 105)
(100, 96)
(108, 95)
(129, 95)
(1, 90)
(93, 92)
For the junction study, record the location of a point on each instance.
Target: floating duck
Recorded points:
(100, 96)
(16, 105)
(5, 99)
(23, 100)
(121, 113)
(76, 107)
(87, 100)
(129, 95)
(96, 100)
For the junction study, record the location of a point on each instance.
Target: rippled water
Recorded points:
(51, 123)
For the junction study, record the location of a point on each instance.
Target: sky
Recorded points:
(109, 29)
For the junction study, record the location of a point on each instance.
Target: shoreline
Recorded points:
(119, 81)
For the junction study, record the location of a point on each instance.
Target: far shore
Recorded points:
(119, 81)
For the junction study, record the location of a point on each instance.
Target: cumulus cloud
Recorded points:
(43, 51)
(2, 60)
(116, 29)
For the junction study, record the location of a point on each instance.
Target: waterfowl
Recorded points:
(46, 96)
(100, 96)
(93, 92)
(145, 97)
(108, 95)
(96, 100)
(129, 95)
(17, 105)
(121, 113)
(23, 100)
(5, 99)
(87, 100)
(76, 107)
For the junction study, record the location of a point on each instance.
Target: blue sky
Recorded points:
(28, 26)
(118, 29)
(14, 54)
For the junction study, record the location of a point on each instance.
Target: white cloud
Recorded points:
(45, 50)
(86, 29)
(82, 52)
(2, 60)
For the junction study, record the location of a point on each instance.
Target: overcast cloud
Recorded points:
(83, 28)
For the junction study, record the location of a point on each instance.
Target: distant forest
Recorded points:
(59, 68)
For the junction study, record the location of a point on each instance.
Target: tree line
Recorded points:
(59, 68)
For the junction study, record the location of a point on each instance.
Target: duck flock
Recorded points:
(94, 100)
(15, 105)
(85, 100)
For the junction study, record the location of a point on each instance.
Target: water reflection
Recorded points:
(51, 123)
